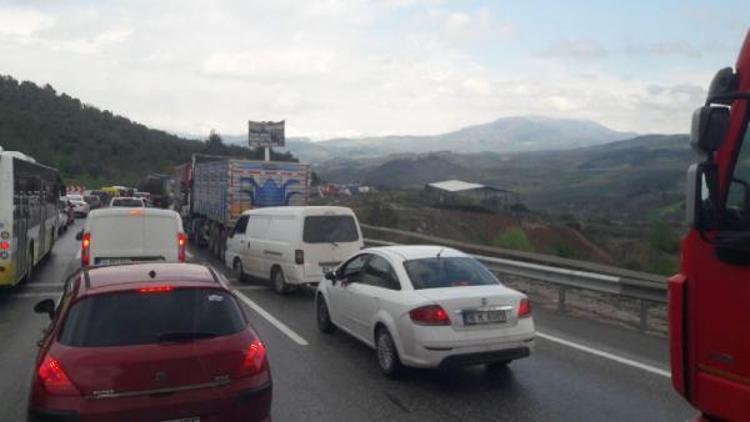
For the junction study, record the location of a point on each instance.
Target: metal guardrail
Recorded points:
(562, 273)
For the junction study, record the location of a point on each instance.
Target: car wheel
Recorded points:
(387, 354)
(279, 282)
(30, 266)
(324, 317)
(240, 270)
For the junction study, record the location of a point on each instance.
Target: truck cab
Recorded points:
(709, 300)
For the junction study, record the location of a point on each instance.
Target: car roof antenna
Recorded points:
(440, 252)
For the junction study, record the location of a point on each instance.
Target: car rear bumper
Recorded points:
(249, 404)
(486, 357)
(430, 346)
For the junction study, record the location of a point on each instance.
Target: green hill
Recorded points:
(92, 146)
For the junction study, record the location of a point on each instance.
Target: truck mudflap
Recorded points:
(677, 291)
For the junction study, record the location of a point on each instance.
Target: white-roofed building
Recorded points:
(461, 194)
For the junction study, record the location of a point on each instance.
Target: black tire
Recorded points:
(387, 354)
(29, 266)
(279, 281)
(240, 270)
(325, 325)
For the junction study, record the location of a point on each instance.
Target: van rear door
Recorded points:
(329, 239)
(133, 236)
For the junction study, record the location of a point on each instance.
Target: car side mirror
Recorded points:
(46, 306)
(330, 275)
(79, 235)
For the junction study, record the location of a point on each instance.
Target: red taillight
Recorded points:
(86, 249)
(299, 257)
(5, 245)
(524, 308)
(255, 359)
(181, 245)
(430, 315)
(54, 380)
(155, 289)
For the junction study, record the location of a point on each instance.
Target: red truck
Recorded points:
(709, 300)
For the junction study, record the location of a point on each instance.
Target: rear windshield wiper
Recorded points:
(184, 336)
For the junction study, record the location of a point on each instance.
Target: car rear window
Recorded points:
(430, 273)
(127, 203)
(132, 318)
(330, 228)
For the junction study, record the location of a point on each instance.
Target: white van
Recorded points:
(292, 246)
(117, 235)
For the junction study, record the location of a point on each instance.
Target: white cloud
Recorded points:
(16, 21)
(329, 68)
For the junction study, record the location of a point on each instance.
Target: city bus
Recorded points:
(29, 220)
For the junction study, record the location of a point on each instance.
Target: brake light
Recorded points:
(5, 245)
(299, 257)
(430, 315)
(524, 308)
(255, 359)
(86, 249)
(54, 380)
(155, 289)
(181, 245)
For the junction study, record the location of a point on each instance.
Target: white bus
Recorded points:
(29, 220)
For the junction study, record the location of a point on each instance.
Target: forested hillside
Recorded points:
(92, 146)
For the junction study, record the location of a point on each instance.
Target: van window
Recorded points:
(330, 228)
(241, 226)
(130, 318)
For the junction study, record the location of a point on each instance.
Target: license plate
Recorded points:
(327, 268)
(113, 261)
(191, 419)
(483, 317)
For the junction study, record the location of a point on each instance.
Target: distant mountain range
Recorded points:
(507, 134)
(620, 178)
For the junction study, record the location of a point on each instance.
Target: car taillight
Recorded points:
(299, 257)
(255, 359)
(430, 315)
(181, 245)
(86, 249)
(54, 380)
(524, 308)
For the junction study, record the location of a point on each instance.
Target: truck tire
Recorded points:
(240, 270)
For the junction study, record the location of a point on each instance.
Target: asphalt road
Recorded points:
(581, 370)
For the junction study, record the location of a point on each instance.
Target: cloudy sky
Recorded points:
(359, 67)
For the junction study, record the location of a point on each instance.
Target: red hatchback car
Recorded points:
(149, 342)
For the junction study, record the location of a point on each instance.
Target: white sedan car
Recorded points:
(425, 306)
(80, 207)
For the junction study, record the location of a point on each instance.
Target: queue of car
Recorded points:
(139, 333)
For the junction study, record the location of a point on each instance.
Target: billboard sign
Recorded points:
(266, 134)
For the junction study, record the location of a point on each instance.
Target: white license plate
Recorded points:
(191, 419)
(113, 261)
(484, 317)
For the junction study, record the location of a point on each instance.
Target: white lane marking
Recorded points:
(78, 255)
(605, 355)
(270, 318)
